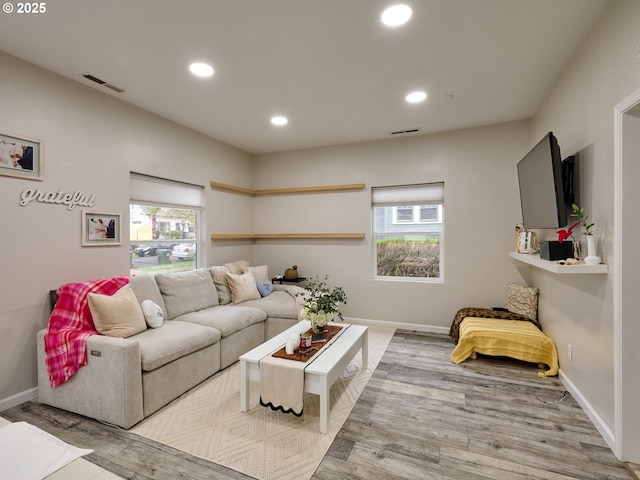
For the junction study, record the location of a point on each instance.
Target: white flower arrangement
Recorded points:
(321, 302)
(319, 318)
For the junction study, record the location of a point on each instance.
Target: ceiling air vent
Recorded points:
(99, 81)
(402, 132)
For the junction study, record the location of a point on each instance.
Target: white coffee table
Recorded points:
(320, 374)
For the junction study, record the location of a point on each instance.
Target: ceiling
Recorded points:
(330, 66)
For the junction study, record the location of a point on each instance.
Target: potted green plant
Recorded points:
(321, 303)
(583, 221)
(592, 257)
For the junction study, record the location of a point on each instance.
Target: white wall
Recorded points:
(580, 111)
(91, 142)
(482, 207)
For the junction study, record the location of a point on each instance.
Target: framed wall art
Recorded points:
(100, 229)
(20, 157)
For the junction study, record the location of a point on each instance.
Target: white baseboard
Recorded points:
(400, 326)
(596, 419)
(18, 398)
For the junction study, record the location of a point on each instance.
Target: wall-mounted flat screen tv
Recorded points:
(541, 186)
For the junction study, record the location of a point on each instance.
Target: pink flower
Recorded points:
(564, 234)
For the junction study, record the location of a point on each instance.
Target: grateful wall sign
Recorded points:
(70, 200)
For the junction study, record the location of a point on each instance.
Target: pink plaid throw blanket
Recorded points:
(70, 324)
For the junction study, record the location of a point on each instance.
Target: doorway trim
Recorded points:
(624, 447)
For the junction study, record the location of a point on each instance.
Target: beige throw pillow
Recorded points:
(523, 300)
(243, 287)
(118, 315)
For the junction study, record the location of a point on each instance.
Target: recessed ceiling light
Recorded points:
(396, 15)
(416, 97)
(279, 120)
(201, 69)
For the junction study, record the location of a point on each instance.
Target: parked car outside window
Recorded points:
(184, 250)
(150, 250)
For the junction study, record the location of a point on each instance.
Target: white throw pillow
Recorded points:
(152, 313)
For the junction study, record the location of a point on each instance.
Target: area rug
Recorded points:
(265, 444)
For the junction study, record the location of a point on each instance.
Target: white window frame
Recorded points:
(147, 190)
(416, 195)
(416, 215)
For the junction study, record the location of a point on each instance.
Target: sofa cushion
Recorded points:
(279, 304)
(174, 340)
(219, 275)
(261, 272)
(227, 319)
(243, 287)
(185, 292)
(146, 288)
(118, 315)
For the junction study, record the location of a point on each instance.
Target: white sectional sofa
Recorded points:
(204, 331)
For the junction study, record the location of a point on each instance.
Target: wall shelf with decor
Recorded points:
(298, 236)
(287, 191)
(536, 261)
(292, 190)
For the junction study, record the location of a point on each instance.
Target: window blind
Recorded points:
(145, 190)
(420, 194)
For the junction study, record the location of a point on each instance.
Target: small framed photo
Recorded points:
(20, 157)
(100, 229)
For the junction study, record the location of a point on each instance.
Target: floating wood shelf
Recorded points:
(293, 190)
(303, 236)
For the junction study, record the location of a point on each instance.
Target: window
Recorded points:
(417, 214)
(164, 225)
(407, 228)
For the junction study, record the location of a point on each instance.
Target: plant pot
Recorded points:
(290, 274)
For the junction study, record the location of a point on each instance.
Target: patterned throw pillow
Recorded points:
(523, 300)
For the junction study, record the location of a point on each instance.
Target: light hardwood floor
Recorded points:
(420, 417)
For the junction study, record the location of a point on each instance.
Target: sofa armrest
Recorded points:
(107, 388)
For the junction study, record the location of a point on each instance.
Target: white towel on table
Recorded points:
(28, 453)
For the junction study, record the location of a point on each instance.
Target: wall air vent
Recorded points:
(88, 76)
(114, 88)
(99, 81)
(403, 132)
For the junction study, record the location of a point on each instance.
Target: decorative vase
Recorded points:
(319, 320)
(592, 257)
(319, 329)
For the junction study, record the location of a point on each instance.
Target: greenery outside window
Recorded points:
(408, 232)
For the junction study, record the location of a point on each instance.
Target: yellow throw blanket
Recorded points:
(506, 338)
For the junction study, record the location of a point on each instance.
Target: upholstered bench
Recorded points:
(506, 338)
(506, 332)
